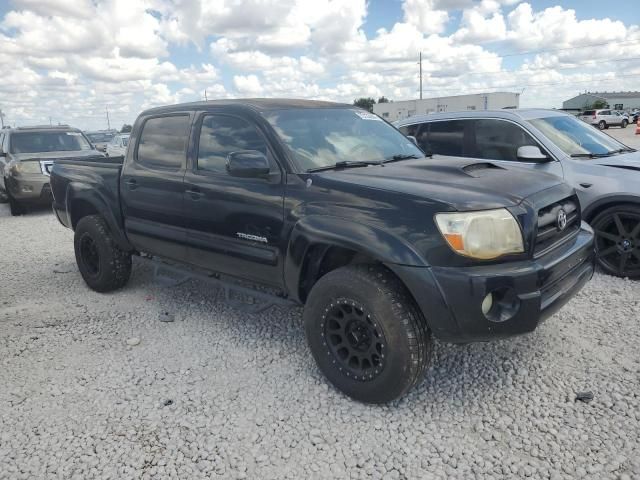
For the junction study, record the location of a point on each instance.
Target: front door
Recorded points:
(152, 186)
(234, 225)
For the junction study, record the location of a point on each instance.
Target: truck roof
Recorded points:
(256, 104)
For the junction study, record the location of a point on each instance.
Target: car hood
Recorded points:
(627, 161)
(80, 154)
(463, 183)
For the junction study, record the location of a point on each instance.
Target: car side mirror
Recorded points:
(247, 164)
(531, 153)
(413, 139)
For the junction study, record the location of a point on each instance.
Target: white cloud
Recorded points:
(247, 85)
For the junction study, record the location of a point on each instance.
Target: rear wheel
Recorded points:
(103, 265)
(618, 240)
(602, 124)
(366, 334)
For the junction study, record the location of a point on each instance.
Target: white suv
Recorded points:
(604, 118)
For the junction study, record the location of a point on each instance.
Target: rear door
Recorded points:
(234, 225)
(152, 186)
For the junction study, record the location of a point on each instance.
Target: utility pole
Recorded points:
(108, 123)
(420, 75)
(50, 122)
(2, 118)
(205, 95)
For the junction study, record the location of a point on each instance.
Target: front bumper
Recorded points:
(526, 293)
(30, 187)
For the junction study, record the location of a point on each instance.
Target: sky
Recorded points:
(71, 61)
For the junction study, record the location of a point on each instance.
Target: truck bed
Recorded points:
(96, 180)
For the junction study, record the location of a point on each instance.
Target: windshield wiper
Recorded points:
(345, 164)
(400, 156)
(591, 155)
(626, 149)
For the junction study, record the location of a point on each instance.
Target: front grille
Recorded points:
(549, 235)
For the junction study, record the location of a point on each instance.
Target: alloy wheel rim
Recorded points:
(89, 254)
(618, 243)
(353, 339)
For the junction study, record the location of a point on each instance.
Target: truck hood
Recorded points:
(463, 183)
(626, 161)
(80, 154)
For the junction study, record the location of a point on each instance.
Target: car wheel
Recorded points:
(602, 125)
(624, 124)
(617, 232)
(366, 334)
(103, 265)
(15, 207)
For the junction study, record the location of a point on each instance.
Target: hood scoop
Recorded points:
(480, 169)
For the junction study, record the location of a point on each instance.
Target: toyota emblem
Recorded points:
(562, 220)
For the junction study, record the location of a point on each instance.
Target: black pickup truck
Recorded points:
(330, 207)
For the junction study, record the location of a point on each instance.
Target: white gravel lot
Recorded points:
(222, 393)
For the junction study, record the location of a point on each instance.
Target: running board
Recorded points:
(170, 275)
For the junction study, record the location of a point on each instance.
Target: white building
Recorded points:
(393, 111)
(614, 100)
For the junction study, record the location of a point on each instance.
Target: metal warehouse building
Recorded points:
(614, 100)
(393, 111)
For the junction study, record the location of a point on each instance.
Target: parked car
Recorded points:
(633, 116)
(604, 118)
(26, 157)
(118, 145)
(605, 172)
(100, 140)
(331, 207)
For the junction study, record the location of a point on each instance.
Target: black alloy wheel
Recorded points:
(354, 340)
(618, 241)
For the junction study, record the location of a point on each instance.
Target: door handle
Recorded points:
(194, 193)
(132, 184)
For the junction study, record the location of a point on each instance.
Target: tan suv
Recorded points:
(604, 118)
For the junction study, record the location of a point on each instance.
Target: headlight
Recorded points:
(26, 167)
(485, 235)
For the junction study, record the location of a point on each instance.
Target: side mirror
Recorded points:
(247, 164)
(531, 153)
(413, 139)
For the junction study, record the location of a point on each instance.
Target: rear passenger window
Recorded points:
(500, 140)
(163, 142)
(220, 135)
(445, 138)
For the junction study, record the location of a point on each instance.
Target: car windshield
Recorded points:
(323, 137)
(36, 142)
(574, 137)
(100, 137)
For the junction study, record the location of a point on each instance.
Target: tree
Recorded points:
(126, 128)
(598, 104)
(383, 99)
(366, 103)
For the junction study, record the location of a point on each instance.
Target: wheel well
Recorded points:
(601, 208)
(322, 259)
(80, 209)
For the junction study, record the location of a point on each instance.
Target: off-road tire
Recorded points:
(612, 244)
(112, 267)
(386, 303)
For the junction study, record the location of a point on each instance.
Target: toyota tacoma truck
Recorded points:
(329, 207)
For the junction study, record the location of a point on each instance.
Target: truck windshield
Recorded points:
(326, 136)
(574, 137)
(36, 142)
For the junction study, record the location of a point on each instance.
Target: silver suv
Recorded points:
(604, 118)
(604, 172)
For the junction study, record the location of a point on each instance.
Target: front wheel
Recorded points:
(617, 232)
(15, 207)
(366, 334)
(624, 124)
(103, 265)
(602, 125)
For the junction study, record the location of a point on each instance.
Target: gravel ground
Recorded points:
(221, 392)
